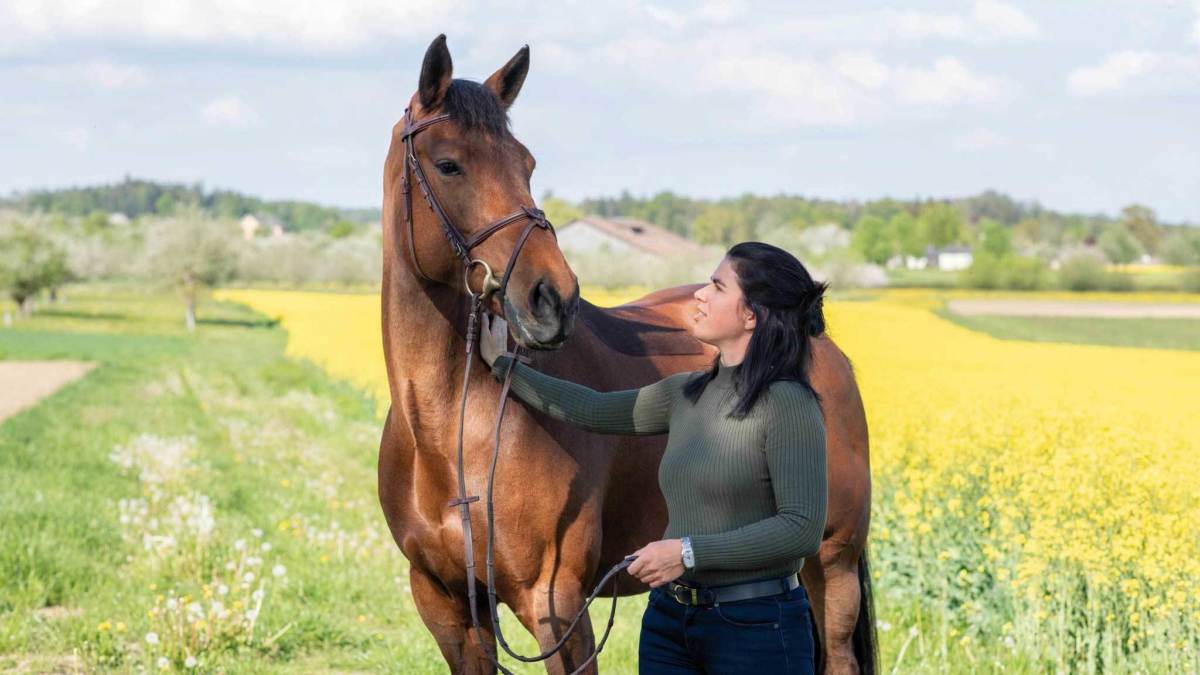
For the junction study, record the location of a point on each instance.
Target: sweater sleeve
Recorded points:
(642, 411)
(795, 453)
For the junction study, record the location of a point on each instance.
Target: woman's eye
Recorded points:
(448, 167)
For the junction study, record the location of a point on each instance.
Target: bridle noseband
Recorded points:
(460, 244)
(462, 248)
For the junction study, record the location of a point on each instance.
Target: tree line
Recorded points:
(136, 197)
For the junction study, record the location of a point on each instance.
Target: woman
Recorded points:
(743, 473)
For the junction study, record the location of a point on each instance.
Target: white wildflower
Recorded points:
(266, 546)
(239, 545)
(279, 570)
(163, 663)
(222, 590)
(257, 533)
(152, 638)
(189, 662)
(248, 578)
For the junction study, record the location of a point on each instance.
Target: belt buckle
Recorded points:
(688, 593)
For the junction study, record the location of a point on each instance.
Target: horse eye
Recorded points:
(448, 167)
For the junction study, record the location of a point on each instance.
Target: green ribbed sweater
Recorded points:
(751, 493)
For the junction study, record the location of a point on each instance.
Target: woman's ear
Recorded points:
(749, 320)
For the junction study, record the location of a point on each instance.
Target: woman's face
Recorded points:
(720, 315)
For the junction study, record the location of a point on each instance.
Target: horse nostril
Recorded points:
(544, 299)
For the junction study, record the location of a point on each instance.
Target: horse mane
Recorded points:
(474, 106)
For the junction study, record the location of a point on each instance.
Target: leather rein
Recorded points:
(462, 248)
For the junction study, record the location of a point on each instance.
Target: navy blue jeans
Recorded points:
(771, 634)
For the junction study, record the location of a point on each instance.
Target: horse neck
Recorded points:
(424, 329)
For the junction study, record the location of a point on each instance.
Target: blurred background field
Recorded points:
(1034, 503)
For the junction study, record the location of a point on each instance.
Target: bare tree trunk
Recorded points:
(189, 291)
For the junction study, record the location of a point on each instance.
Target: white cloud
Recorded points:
(948, 82)
(76, 137)
(229, 111)
(1196, 24)
(101, 74)
(979, 138)
(1003, 20)
(1135, 70)
(273, 23)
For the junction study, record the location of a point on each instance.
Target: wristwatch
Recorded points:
(689, 558)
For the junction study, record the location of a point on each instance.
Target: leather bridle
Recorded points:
(462, 246)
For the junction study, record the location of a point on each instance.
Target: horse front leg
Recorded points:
(447, 615)
(546, 611)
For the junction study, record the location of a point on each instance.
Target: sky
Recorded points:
(1082, 106)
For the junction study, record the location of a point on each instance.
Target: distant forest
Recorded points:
(719, 221)
(136, 197)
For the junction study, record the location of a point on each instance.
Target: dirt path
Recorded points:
(1111, 310)
(24, 383)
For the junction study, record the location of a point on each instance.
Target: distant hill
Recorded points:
(136, 197)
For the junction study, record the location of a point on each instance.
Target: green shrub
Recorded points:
(1009, 272)
(1081, 273)
(985, 271)
(1189, 281)
(1025, 274)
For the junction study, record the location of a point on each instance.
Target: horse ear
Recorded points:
(436, 72)
(506, 82)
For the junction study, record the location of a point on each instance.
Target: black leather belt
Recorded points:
(686, 594)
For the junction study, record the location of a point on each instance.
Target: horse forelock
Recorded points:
(475, 107)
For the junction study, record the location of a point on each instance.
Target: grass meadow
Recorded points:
(207, 502)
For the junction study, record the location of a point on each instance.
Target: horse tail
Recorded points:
(866, 646)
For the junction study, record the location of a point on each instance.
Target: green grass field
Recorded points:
(1146, 333)
(266, 450)
(141, 495)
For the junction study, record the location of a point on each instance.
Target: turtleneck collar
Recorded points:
(725, 374)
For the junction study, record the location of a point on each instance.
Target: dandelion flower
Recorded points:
(163, 663)
(152, 638)
(189, 662)
(279, 570)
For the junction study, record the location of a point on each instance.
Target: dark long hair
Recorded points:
(789, 309)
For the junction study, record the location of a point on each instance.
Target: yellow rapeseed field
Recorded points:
(1043, 497)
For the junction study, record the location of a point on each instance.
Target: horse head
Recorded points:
(459, 190)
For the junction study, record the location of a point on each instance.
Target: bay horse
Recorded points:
(569, 504)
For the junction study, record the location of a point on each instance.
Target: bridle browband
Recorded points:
(462, 248)
(460, 244)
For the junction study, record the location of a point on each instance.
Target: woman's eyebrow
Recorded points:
(717, 282)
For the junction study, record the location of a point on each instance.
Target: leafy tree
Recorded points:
(342, 229)
(994, 238)
(559, 211)
(940, 224)
(1119, 244)
(871, 239)
(29, 263)
(95, 222)
(906, 234)
(1182, 247)
(1141, 222)
(190, 252)
(721, 224)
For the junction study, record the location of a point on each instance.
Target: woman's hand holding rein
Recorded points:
(493, 338)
